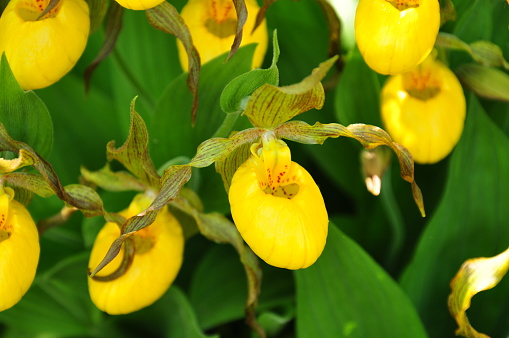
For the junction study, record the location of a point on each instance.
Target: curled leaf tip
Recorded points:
(474, 276)
(122, 268)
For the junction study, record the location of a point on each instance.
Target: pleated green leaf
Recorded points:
(347, 294)
(167, 19)
(470, 221)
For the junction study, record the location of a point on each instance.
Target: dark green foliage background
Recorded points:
(364, 285)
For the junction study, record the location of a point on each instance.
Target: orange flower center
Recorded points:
(421, 84)
(5, 229)
(222, 19)
(274, 170)
(402, 5)
(30, 10)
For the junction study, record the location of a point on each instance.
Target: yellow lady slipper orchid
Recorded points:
(19, 249)
(213, 23)
(424, 110)
(278, 208)
(158, 251)
(139, 4)
(394, 36)
(42, 50)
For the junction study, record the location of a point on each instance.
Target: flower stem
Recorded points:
(226, 127)
(133, 80)
(395, 218)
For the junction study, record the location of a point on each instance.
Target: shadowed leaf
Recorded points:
(334, 25)
(134, 152)
(219, 229)
(484, 81)
(24, 114)
(98, 9)
(167, 19)
(113, 28)
(470, 221)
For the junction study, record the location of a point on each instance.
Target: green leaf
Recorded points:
(32, 182)
(475, 275)
(113, 181)
(481, 13)
(217, 291)
(485, 53)
(24, 114)
(447, 12)
(57, 304)
(167, 19)
(134, 152)
(488, 54)
(334, 25)
(358, 93)
(90, 202)
(78, 196)
(219, 229)
(113, 27)
(269, 106)
(227, 167)
(180, 323)
(462, 227)
(169, 141)
(484, 81)
(244, 85)
(171, 316)
(347, 294)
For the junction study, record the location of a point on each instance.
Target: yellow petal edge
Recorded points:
(157, 260)
(139, 4)
(213, 23)
(19, 250)
(40, 52)
(278, 208)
